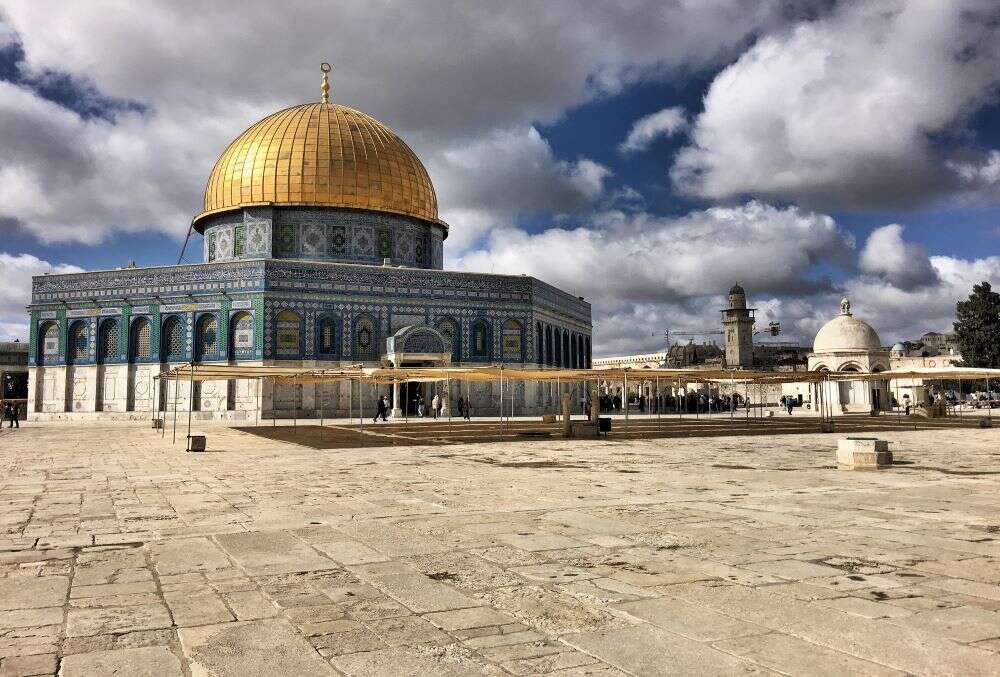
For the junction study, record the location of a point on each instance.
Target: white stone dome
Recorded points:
(846, 332)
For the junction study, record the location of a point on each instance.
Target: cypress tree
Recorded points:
(978, 327)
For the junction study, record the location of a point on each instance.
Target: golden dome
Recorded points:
(320, 155)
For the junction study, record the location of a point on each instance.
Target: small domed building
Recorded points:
(322, 247)
(847, 344)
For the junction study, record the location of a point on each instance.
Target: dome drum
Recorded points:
(323, 234)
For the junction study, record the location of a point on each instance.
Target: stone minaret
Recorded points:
(737, 325)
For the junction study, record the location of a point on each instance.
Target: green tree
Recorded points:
(978, 327)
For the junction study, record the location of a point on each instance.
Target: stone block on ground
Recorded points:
(863, 453)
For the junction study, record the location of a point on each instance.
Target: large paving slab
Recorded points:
(121, 554)
(252, 649)
(267, 552)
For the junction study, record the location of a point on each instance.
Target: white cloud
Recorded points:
(666, 122)
(629, 264)
(16, 271)
(904, 314)
(509, 172)
(841, 112)
(445, 77)
(903, 264)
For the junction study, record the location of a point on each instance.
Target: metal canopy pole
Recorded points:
(659, 421)
(256, 413)
(625, 395)
(989, 400)
(320, 411)
(174, 441)
(163, 416)
(190, 402)
(501, 396)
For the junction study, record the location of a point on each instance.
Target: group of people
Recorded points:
(690, 402)
(10, 414)
(437, 406)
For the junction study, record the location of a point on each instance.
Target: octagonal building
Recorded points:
(322, 247)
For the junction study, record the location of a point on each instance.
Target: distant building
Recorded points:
(737, 326)
(14, 375)
(847, 344)
(691, 354)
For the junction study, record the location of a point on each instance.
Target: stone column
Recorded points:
(397, 411)
(594, 409)
(567, 403)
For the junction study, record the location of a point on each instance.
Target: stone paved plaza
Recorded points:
(121, 554)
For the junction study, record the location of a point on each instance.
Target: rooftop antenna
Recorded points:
(186, 238)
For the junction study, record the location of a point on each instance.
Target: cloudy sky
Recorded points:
(644, 155)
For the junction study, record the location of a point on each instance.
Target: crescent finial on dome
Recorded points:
(325, 87)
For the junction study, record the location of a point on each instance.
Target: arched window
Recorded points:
(539, 344)
(580, 361)
(548, 346)
(449, 329)
(557, 351)
(139, 341)
(572, 351)
(589, 364)
(326, 330)
(482, 340)
(48, 343)
(107, 337)
(365, 339)
(565, 349)
(241, 336)
(172, 340)
(288, 335)
(206, 344)
(77, 342)
(512, 340)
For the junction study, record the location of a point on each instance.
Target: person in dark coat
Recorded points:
(10, 413)
(381, 409)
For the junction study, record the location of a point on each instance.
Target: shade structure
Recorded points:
(387, 375)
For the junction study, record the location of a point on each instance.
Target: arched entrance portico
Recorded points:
(417, 346)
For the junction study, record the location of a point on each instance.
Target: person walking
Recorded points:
(436, 405)
(381, 409)
(789, 404)
(10, 413)
(420, 406)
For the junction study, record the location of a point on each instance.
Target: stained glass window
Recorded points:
(239, 241)
(49, 341)
(481, 339)
(365, 339)
(173, 340)
(140, 339)
(286, 239)
(208, 340)
(287, 333)
(327, 335)
(108, 340)
(512, 340)
(449, 329)
(242, 329)
(78, 341)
